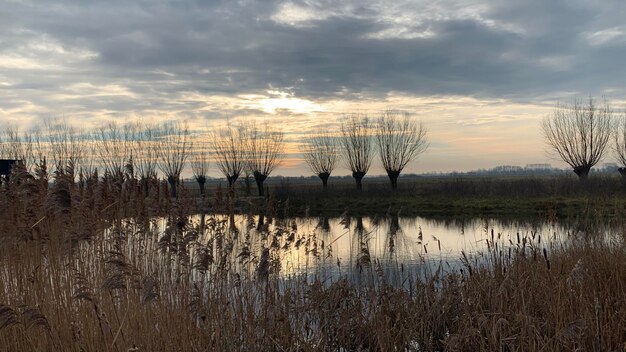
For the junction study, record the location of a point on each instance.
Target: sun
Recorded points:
(277, 101)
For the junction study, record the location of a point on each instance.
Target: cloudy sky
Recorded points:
(480, 74)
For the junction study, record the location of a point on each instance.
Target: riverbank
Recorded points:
(454, 206)
(550, 196)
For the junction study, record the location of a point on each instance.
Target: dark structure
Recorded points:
(5, 167)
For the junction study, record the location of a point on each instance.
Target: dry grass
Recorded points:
(84, 267)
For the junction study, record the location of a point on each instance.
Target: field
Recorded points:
(459, 196)
(86, 266)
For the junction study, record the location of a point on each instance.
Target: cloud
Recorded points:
(319, 48)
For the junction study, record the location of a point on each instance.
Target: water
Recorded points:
(367, 248)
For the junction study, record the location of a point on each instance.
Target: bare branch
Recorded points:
(321, 154)
(579, 134)
(619, 145)
(263, 150)
(400, 140)
(174, 148)
(228, 144)
(200, 159)
(145, 150)
(113, 144)
(357, 145)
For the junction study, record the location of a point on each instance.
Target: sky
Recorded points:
(481, 75)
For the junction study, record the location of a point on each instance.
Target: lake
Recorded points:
(390, 249)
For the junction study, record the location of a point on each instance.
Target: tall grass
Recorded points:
(95, 266)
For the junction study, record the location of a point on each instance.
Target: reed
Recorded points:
(91, 266)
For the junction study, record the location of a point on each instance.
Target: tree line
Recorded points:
(140, 149)
(580, 134)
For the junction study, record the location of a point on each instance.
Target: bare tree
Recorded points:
(32, 150)
(113, 145)
(620, 144)
(67, 147)
(145, 149)
(579, 134)
(228, 145)
(38, 154)
(16, 146)
(174, 148)
(263, 149)
(200, 161)
(400, 139)
(357, 146)
(321, 155)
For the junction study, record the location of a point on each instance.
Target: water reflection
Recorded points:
(390, 249)
(365, 247)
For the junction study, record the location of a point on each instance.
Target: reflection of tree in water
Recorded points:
(232, 225)
(360, 245)
(397, 243)
(394, 228)
(323, 224)
(261, 223)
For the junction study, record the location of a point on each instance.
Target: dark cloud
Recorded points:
(159, 51)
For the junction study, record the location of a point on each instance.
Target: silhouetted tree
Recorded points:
(400, 140)
(263, 149)
(17, 146)
(145, 149)
(228, 144)
(67, 146)
(579, 134)
(620, 144)
(357, 146)
(113, 147)
(200, 161)
(321, 155)
(174, 148)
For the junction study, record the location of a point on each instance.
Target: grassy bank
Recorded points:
(455, 206)
(560, 196)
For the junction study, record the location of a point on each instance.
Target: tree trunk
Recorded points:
(260, 178)
(582, 172)
(173, 181)
(248, 185)
(358, 176)
(231, 181)
(145, 182)
(201, 182)
(324, 177)
(393, 178)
